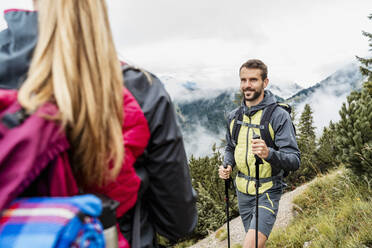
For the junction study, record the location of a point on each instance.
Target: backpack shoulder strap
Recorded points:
(238, 117)
(265, 120)
(28, 149)
(285, 106)
(288, 108)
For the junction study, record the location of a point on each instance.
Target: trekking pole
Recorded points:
(257, 163)
(227, 184)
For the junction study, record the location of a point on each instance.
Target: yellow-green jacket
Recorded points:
(285, 158)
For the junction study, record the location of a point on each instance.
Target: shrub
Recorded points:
(211, 193)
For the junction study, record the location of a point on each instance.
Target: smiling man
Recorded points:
(259, 114)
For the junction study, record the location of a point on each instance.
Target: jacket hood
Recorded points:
(269, 98)
(17, 43)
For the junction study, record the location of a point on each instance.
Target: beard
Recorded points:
(253, 95)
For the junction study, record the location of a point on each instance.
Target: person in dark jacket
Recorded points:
(167, 201)
(277, 160)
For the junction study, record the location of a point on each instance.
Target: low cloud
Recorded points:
(326, 102)
(325, 108)
(199, 142)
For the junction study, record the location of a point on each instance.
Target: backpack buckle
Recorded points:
(15, 119)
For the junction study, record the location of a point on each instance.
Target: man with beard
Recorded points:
(259, 116)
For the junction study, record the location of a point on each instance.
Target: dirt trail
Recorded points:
(285, 215)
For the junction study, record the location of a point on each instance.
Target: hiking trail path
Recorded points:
(237, 233)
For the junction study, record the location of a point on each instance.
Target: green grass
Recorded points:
(221, 234)
(236, 246)
(335, 211)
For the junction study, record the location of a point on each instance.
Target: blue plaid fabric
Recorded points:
(52, 222)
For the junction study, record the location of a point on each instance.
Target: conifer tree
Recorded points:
(307, 145)
(327, 150)
(367, 62)
(354, 132)
(306, 134)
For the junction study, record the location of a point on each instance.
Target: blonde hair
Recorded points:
(75, 66)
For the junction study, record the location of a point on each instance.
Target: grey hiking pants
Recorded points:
(268, 205)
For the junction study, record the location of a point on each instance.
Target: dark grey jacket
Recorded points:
(17, 43)
(287, 157)
(169, 199)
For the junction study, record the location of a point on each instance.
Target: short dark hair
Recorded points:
(256, 64)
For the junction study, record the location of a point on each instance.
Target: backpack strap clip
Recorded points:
(250, 125)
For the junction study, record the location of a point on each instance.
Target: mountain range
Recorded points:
(202, 112)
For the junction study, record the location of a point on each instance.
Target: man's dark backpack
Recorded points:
(264, 125)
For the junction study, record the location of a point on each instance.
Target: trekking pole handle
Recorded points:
(256, 136)
(225, 166)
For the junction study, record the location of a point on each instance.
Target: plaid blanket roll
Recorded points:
(52, 222)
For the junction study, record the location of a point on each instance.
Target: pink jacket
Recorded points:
(34, 161)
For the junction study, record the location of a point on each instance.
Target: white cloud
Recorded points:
(199, 143)
(14, 4)
(325, 108)
(301, 41)
(206, 41)
(327, 101)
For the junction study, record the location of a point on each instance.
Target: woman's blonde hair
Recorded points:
(75, 66)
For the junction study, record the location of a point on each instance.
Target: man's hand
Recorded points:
(260, 148)
(224, 173)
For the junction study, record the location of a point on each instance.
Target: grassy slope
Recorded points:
(335, 211)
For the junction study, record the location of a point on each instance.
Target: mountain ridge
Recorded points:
(202, 117)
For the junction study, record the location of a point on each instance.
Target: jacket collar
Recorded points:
(268, 99)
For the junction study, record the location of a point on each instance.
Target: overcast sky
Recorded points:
(206, 41)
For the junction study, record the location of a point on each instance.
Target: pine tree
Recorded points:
(306, 135)
(354, 131)
(327, 150)
(307, 145)
(367, 62)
